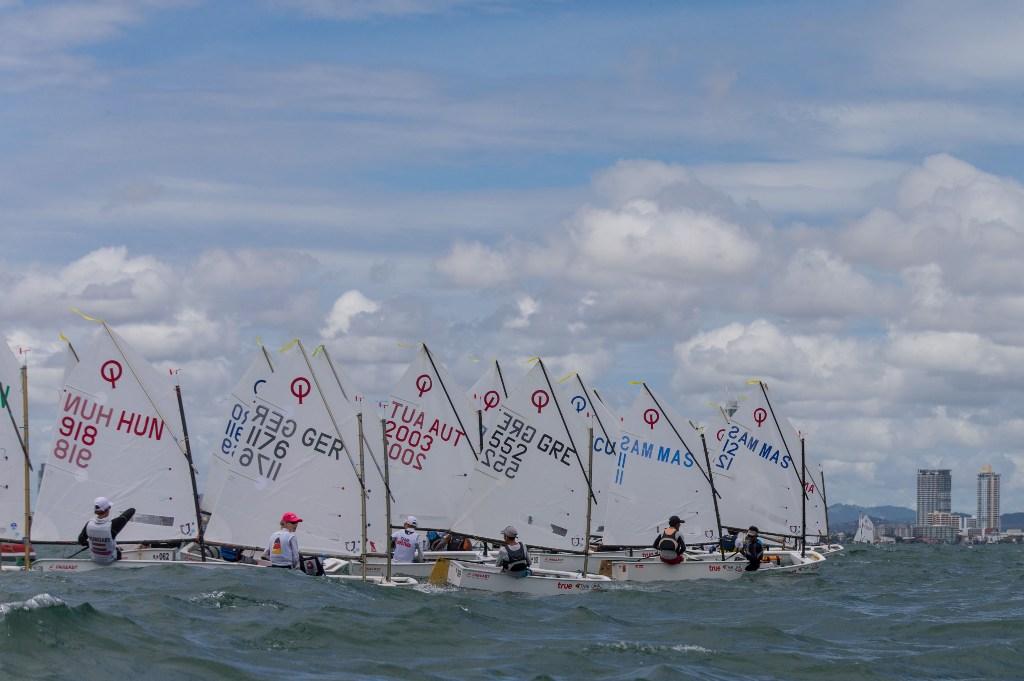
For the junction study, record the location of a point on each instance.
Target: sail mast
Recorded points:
(803, 483)
(590, 496)
(27, 534)
(387, 499)
(714, 493)
(362, 491)
(191, 472)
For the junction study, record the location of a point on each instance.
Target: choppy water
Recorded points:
(908, 612)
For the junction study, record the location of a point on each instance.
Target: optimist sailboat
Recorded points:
(117, 435)
(297, 450)
(757, 472)
(661, 474)
(533, 473)
(14, 462)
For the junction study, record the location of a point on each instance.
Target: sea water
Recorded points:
(897, 612)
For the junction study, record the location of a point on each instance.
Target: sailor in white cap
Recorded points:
(407, 543)
(513, 558)
(99, 534)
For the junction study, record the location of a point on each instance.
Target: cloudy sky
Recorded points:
(827, 198)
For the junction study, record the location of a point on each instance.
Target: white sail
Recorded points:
(530, 473)
(817, 520)
(489, 391)
(117, 436)
(591, 412)
(757, 478)
(12, 457)
(338, 388)
(431, 454)
(660, 473)
(486, 394)
(297, 454)
(239, 410)
(866, 533)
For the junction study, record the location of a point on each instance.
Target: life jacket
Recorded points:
(456, 542)
(670, 544)
(101, 541)
(517, 560)
(281, 549)
(231, 554)
(312, 566)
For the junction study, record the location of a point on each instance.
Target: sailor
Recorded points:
(752, 550)
(407, 543)
(513, 558)
(283, 547)
(670, 542)
(100, 532)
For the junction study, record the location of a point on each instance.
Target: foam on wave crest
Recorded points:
(35, 603)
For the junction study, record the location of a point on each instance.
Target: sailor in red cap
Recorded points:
(283, 548)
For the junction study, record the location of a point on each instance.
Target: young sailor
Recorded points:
(283, 548)
(670, 542)
(100, 532)
(513, 557)
(752, 550)
(407, 543)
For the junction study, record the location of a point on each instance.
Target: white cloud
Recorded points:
(473, 264)
(348, 306)
(527, 308)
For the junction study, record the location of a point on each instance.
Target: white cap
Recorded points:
(101, 504)
(411, 520)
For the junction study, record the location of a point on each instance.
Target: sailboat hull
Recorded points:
(539, 583)
(657, 571)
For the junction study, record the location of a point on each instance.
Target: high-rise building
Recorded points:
(988, 499)
(934, 493)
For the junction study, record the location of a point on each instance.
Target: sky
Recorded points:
(825, 197)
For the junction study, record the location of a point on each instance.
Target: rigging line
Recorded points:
(330, 413)
(337, 378)
(597, 416)
(458, 417)
(554, 398)
(785, 444)
(366, 441)
(266, 356)
(17, 431)
(501, 379)
(673, 426)
(145, 392)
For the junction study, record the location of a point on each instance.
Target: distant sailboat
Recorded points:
(866, 532)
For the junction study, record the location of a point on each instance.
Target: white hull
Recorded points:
(539, 583)
(377, 567)
(657, 571)
(574, 562)
(87, 565)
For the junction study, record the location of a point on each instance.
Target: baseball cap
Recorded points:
(101, 504)
(674, 520)
(411, 520)
(510, 531)
(290, 517)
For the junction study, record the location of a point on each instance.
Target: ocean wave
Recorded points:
(35, 603)
(650, 648)
(226, 599)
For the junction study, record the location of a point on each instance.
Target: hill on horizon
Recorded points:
(843, 517)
